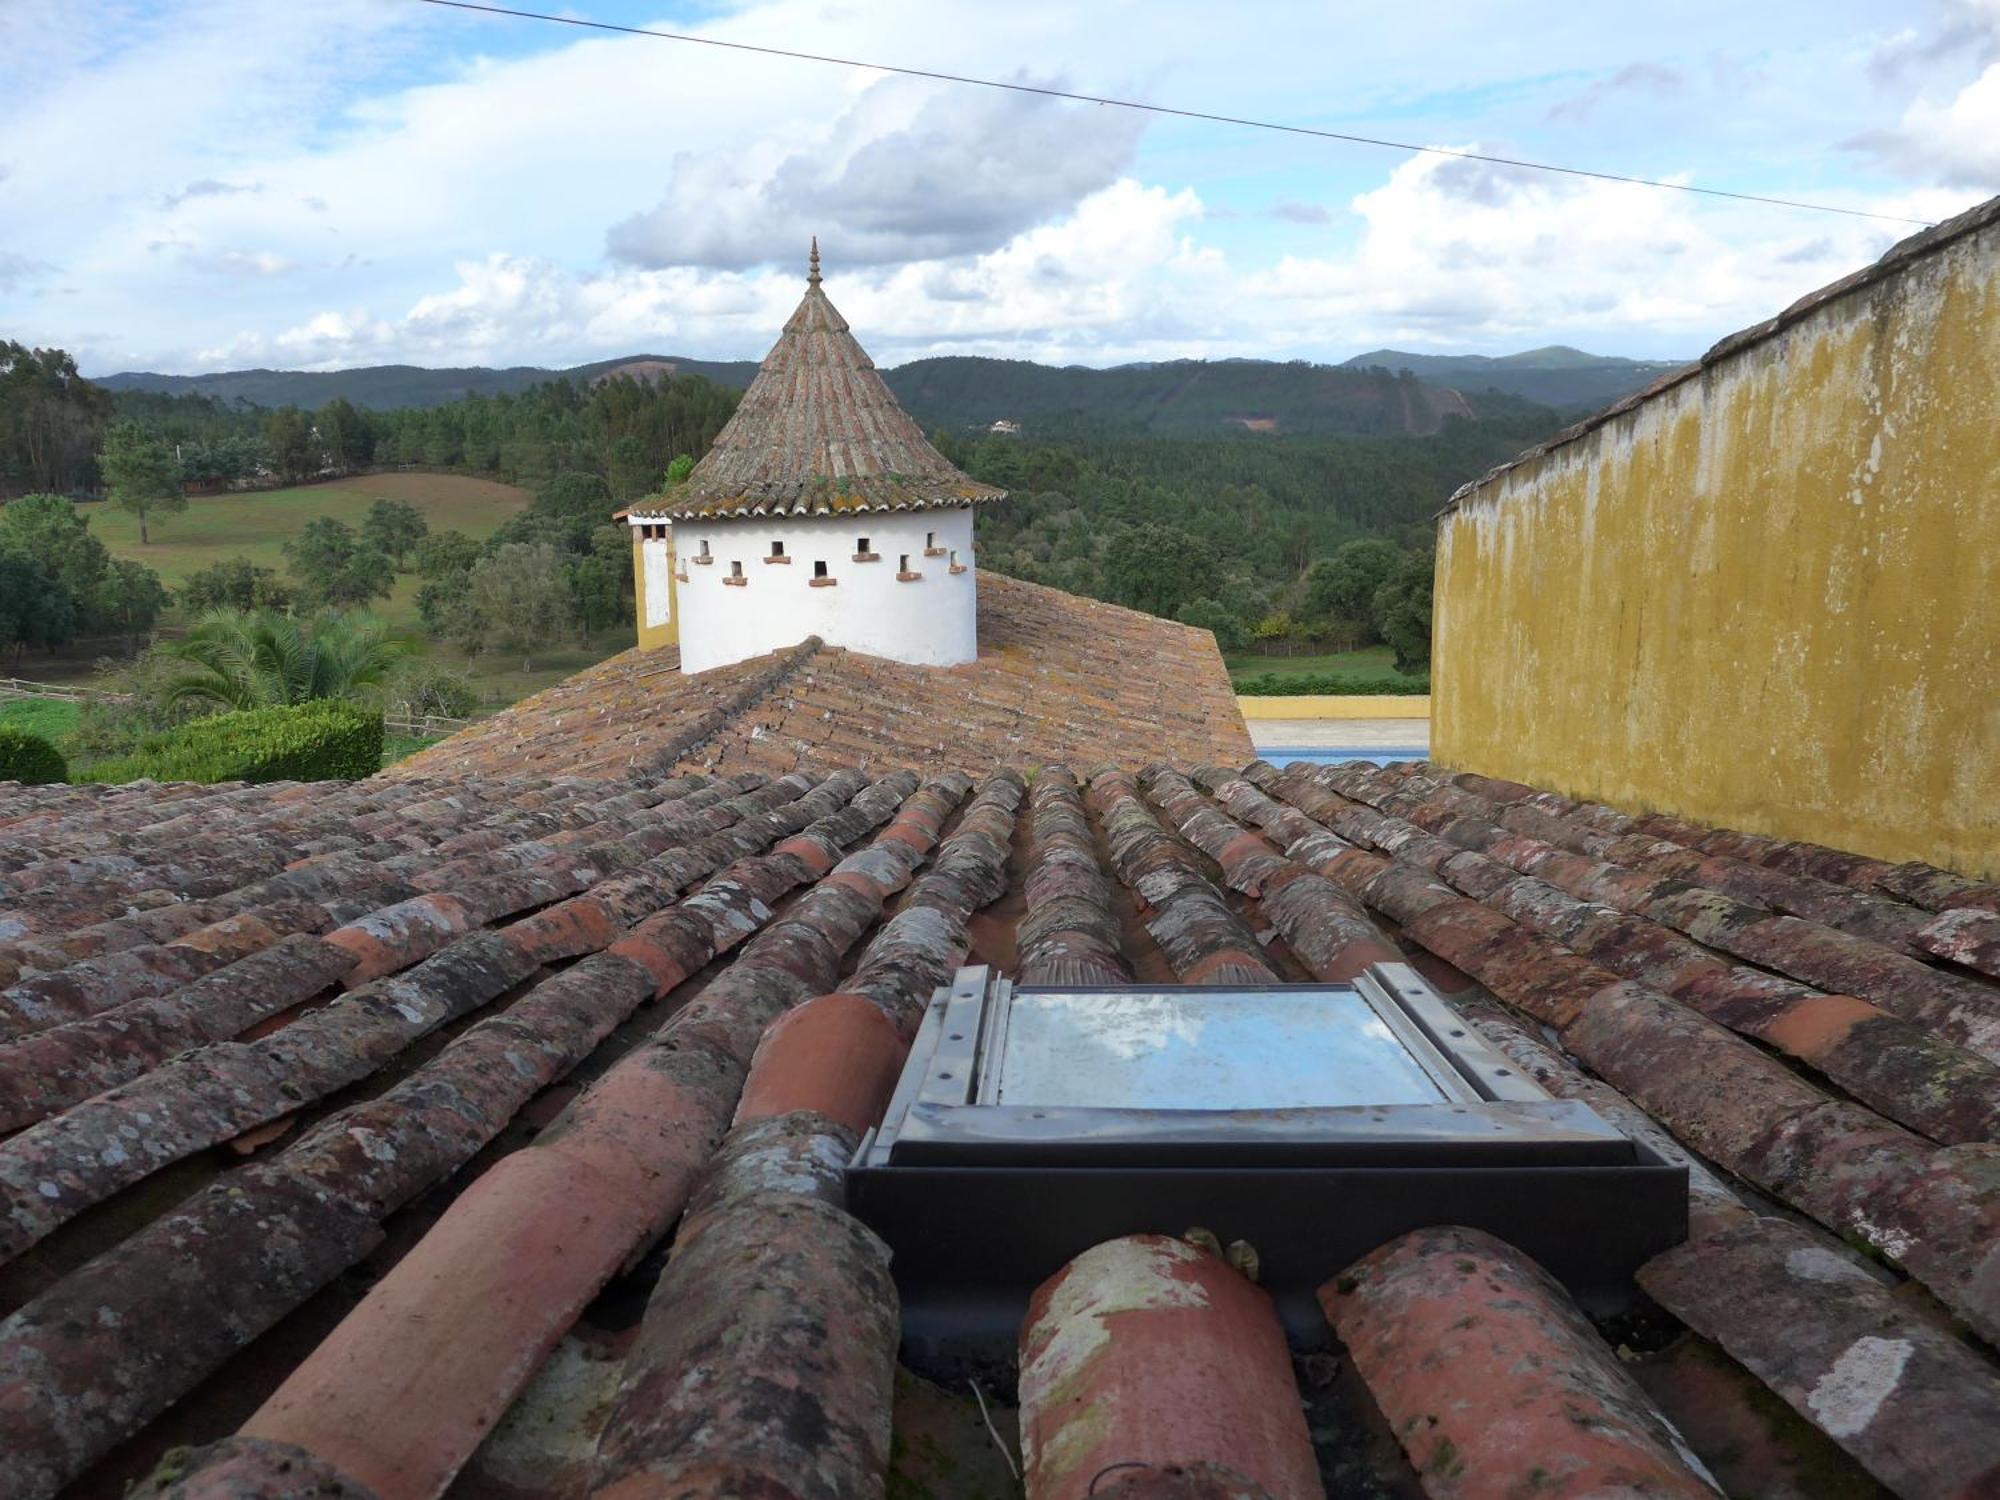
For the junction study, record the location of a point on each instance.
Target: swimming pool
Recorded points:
(1335, 755)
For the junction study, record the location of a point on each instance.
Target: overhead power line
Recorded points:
(1167, 109)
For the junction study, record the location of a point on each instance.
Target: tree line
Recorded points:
(1278, 544)
(57, 430)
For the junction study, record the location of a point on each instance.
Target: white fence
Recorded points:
(16, 687)
(421, 726)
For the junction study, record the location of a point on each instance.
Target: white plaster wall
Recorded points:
(654, 553)
(930, 622)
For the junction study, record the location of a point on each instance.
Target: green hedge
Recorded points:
(324, 740)
(1334, 684)
(29, 759)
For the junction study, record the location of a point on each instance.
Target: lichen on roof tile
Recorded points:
(212, 1143)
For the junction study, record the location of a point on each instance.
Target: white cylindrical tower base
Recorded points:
(898, 584)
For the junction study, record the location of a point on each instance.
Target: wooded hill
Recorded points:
(1280, 504)
(1177, 398)
(1186, 398)
(397, 387)
(1568, 379)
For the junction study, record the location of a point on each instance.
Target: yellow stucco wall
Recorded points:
(668, 632)
(1767, 598)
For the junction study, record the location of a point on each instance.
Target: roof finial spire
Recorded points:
(812, 266)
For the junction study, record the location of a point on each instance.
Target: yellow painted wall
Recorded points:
(1767, 598)
(1330, 706)
(652, 637)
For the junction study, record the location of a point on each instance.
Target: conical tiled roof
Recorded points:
(818, 433)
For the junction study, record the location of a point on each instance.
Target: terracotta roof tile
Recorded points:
(1494, 1381)
(1926, 1207)
(1120, 1356)
(709, 985)
(1827, 1335)
(1059, 679)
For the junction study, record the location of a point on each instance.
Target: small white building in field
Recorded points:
(820, 511)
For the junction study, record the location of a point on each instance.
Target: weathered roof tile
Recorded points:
(1678, 978)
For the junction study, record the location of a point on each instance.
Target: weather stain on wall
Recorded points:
(1766, 595)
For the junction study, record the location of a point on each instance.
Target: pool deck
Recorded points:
(1411, 736)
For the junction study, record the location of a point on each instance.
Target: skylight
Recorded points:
(1313, 1122)
(1210, 1049)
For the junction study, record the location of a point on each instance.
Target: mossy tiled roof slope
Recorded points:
(818, 433)
(330, 1110)
(1059, 678)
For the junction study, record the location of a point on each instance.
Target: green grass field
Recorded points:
(51, 718)
(215, 528)
(398, 747)
(1369, 661)
(501, 679)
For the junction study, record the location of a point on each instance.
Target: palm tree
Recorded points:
(256, 658)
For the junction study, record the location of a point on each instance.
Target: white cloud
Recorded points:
(208, 187)
(223, 260)
(1641, 80)
(18, 270)
(1956, 143)
(1301, 213)
(356, 182)
(912, 171)
(1086, 282)
(1457, 247)
(1962, 33)
(1454, 254)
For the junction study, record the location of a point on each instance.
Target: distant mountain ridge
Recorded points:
(1177, 397)
(1366, 396)
(388, 387)
(1557, 375)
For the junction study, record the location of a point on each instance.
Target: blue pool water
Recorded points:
(1334, 755)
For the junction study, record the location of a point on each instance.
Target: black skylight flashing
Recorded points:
(981, 1201)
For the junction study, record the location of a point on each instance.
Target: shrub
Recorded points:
(1334, 684)
(324, 740)
(133, 704)
(29, 759)
(422, 685)
(236, 583)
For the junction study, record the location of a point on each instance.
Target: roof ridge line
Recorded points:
(710, 724)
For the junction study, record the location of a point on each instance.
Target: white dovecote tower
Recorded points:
(821, 510)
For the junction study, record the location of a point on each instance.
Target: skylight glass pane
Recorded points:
(1245, 1049)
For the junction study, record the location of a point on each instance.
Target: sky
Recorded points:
(214, 184)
